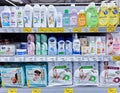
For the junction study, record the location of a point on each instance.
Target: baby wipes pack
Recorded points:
(60, 73)
(85, 73)
(36, 75)
(109, 73)
(12, 76)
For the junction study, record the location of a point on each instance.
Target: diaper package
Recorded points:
(12, 75)
(60, 73)
(86, 73)
(36, 74)
(109, 73)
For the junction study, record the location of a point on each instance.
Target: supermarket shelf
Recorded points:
(58, 30)
(61, 90)
(57, 58)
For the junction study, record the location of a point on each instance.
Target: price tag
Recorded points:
(112, 90)
(51, 59)
(0, 59)
(61, 58)
(78, 58)
(36, 90)
(70, 59)
(40, 59)
(111, 29)
(19, 59)
(68, 90)
(27, 30)
(29, 59)
(99, 58)
(116, 58)
(94, 29)
(106, 59)
(91, 59)
(12, 59)
(12, 90)
(77, 29)
(60, 29)
(5, 59)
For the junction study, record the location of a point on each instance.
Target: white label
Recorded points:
(51, 59)
(5, 59)
(19, 59)
(70, 59)
(61, 59)
(41, 59)
(29, 59)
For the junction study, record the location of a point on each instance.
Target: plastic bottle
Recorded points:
(44, 46)
(52, 46)
(20, 17)
(103, 15)
(43, 13)
(66, 18)
(51, 16)
(59, 22)
(13, 21)
(81, 19)
(28, 16)
(38, 45)
(36, 16)
(98, 45)
(5, 17)
(113, 14)
(76, 45)
(61, 46)
(68, 46)
(73, 18)
(91, 16)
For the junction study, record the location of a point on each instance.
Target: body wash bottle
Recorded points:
(59, 22)
(61, 46)
(43, 13)
(38, 45)
(73, 18)
(66, 18)
(68, 46)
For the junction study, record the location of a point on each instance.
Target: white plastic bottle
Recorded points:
(61, 46)
(59, 18)
(43, 13)
(51, 16)
(36, 16)
(13, 21)
(5, 17)
(28, 16)
(76, 45)
(20, 17)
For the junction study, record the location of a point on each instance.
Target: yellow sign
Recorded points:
(94, 29)
(68, 90)
(36, 90)
(77, 29)
(111, 29)
(112, 90)
(44, 30)
(27, 30)
(12, 90)
(116, 58)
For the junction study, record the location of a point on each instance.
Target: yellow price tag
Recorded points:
(36, 90)
(12, 90)
(68, 90)
(28, 83)
(111, 29)
(112, 90)
(116, 58)
(77, 29)
(93, 29)
(60, 29)
(27, 29)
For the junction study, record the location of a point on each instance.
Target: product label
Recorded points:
(36, 17)
(61, 47)
(6, 19)
(66, 21)
(68, 47)
(51, 19)
(27, 17)
(76, 47)
(73, 20)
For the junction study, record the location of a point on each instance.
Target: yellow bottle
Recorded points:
(81, 19)
(103, 15)
(114, 14)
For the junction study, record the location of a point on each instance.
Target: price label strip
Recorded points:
(68, 90)
(94, 29)
(77, 29)
(36, 90)
(12, 90)
(112, 90)
(27, 30)
(43, 30)
(111, 29)
(116, 58)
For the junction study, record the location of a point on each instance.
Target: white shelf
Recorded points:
(54, 58)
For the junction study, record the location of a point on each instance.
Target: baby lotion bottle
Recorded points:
(28, 16)
(13, 21)
(44, 46)
(68, 47)
(66, 18)
(36, 16)
(6, 17)
(73, 18)
(43, 13)
(98, 45)
(59, 17)
(81, 19)
(76, 45)
(52, 46)
(30, 44)
(51, 16)
(20, 17)
(38, 45)
(103, 42)
(61, 46)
